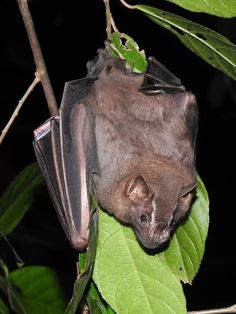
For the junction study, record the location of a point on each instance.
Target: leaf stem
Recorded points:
(127, 5)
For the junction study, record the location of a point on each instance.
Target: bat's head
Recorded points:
(155, 209)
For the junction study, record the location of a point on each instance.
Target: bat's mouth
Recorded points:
(153, 244)
(156, 238)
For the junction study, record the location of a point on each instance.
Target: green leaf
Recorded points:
(95, 302)
(207, 44)
(86, 263)
(224, 8)
(130, 280)
(18, 197)
(110, 311)
(40, 289)
(16, 302)
(3, 308)
(186, 249)
(126, 48)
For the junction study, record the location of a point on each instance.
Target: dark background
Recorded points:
(70, 32)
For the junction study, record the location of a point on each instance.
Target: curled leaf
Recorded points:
(18, 197)
(223, 8)
(126, 48)
(214, 48)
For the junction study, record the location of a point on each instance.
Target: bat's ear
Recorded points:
(158, 80)
(138, 190)
(184, 204)
(191, 114)
(158, 72)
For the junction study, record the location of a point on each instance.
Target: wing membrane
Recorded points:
(65, 147)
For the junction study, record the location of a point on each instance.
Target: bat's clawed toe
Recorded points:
(79, 244)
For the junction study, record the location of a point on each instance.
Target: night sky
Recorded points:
(70, 32)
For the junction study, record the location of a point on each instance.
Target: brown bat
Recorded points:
(133, 136)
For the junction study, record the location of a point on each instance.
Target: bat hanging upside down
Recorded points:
(132, 136)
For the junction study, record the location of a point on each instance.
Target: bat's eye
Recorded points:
(144, 218)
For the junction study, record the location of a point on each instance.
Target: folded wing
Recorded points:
(65, 147)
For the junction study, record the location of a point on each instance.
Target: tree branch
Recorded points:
(41, 74)
(231, 309)
(38, 57)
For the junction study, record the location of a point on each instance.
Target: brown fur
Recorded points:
(151, 137)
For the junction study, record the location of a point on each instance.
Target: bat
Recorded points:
(129, 136)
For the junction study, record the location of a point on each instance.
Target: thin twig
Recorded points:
(111, 26)
(38, 57)
(114, 25)
(231, 309)
(108, 19)
(19, 105)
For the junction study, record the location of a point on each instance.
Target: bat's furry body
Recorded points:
(134, 134)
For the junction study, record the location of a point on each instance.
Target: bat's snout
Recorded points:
(160, 233)
(153, 235)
